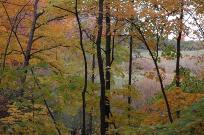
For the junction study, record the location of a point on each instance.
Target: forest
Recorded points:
(101, 67)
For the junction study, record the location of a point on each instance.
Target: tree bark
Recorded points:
(130, 66)
(178, 52)
(130, 72)
(103, 128)
(52, 116)
(158, 74)
(85, 70)
(93, 81)
(163, 91)
(108, 62)
(31, 35)
(27, 53)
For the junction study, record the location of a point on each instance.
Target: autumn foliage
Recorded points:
(95, 67)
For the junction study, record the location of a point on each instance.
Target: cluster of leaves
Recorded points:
(23, 120)
(191, 83)
(169, 52)
(153, 74)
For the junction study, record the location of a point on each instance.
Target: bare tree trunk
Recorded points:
(178, 53)
(52, 116)
(85, 70)
(93, 81)
(103, 127)
(33, 109)
(163, 92)
(93, 68)
(31, 35)
(113, 44)
(27, 54)
(158, 74)
(108, 62)
(130, 72)
(130, 65)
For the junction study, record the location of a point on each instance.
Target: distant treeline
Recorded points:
(185, 45)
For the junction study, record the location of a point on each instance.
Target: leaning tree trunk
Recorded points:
(163, 91)
(46, 104)
(155, 60)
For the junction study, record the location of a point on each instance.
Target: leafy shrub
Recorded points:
(169, 52)
(189, 82)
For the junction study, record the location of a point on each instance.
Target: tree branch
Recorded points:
(64, 9)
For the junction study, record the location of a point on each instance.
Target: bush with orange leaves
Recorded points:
(178, 100)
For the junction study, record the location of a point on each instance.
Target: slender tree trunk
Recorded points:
(108, 62)
(52, 116)
(93, 81)
(130, 72)
(130, 63)
(130, 66)
(6, 49)
(13, 26)
(113, 43)
(163, 91)
(85, 70)
(30, 43)
(33, 109)
(46, 104)
(113, 47)
(103, 128)
(178, 53)
(158, 74)
(31, 35)
(93, 68)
